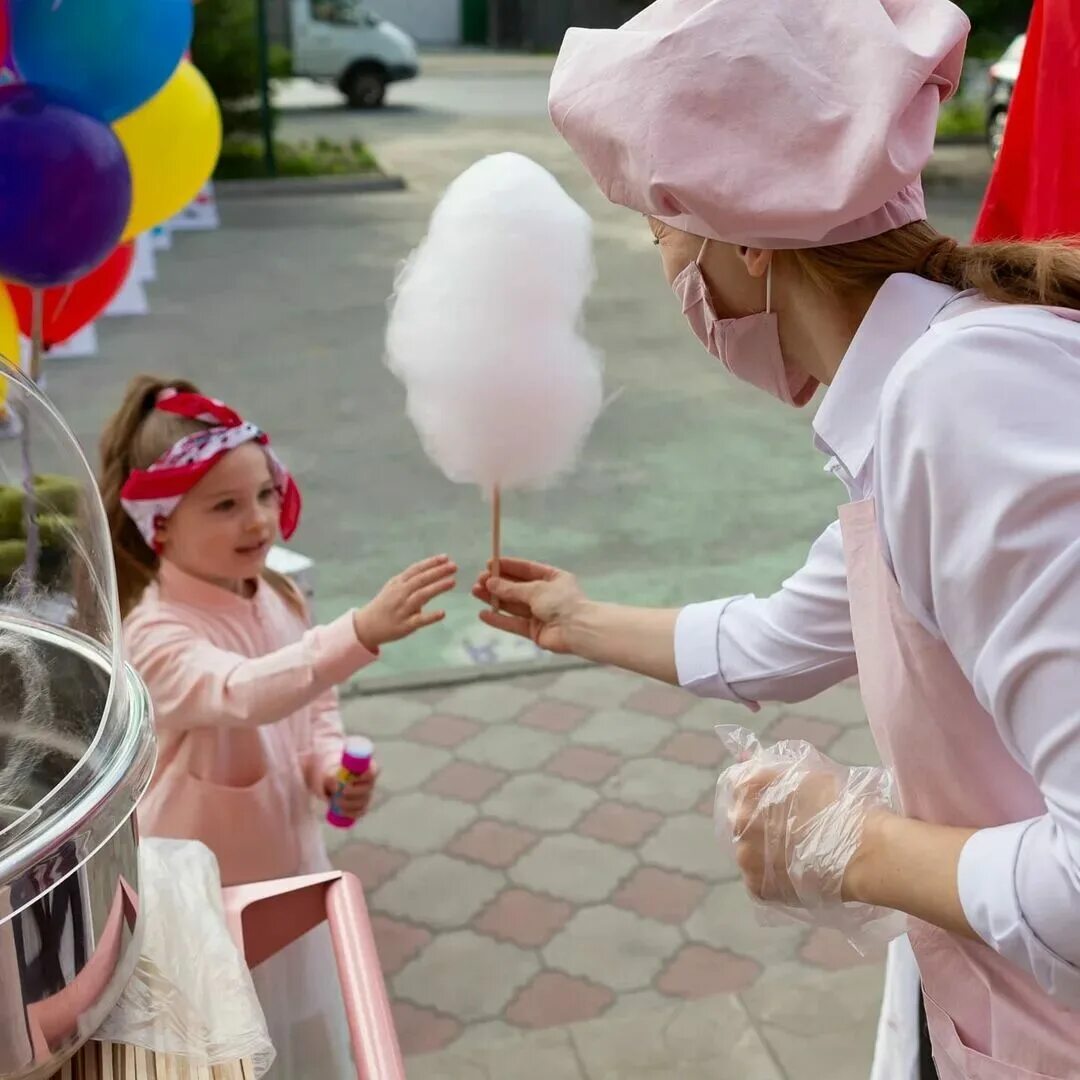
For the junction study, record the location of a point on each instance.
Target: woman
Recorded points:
(776, 146)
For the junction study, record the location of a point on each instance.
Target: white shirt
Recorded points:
(968, 437)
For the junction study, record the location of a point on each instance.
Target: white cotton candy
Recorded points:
(485, 328)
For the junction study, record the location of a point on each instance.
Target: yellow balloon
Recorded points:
(9, 338)
(172, 145)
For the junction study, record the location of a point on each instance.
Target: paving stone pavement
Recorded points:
(548, 897)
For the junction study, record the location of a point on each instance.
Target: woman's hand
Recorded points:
(398, 610)
(799, 822)
(534, 601)
(548, 606)
(355, 797)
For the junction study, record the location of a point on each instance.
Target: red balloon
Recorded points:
(68, 308)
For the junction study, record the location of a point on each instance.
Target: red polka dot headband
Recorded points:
(150, 496)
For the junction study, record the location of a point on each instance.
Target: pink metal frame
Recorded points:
(265, 917)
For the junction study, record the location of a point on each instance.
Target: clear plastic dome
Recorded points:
(76, 740)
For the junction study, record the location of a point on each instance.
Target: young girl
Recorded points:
(243, 687)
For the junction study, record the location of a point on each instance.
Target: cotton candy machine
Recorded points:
(76, 748)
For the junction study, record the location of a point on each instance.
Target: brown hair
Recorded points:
(1046, 273)
(136, 435)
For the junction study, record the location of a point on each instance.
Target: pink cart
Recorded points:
(265, 917)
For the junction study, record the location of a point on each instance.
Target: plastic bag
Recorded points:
(809, 812)
(191, 994)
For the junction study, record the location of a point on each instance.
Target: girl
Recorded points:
(243, 688)
(776, 147)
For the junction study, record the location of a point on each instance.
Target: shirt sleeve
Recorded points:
(786, 647)
(979, 489)
(327, 741)
(194, 684)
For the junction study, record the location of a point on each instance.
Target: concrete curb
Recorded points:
(307, 185)
(437, 678)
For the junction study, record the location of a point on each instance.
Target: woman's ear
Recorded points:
(756, 260)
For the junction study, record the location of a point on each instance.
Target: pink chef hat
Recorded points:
(770, 123)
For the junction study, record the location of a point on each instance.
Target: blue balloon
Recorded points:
(65, 189)
(107, 57)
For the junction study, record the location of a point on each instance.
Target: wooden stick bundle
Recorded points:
(112, 1061)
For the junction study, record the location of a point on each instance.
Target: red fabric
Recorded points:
(150, 494)
(1034, 192)
(198, 407)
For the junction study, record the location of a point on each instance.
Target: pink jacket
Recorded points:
(247, 717)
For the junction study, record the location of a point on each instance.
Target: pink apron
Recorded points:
(988, 1019)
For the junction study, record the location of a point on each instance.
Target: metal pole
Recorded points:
(265, 107)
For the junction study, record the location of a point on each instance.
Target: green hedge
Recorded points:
(225, 49)
(57, 507)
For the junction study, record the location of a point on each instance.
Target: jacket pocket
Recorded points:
(253, 831)
(962, 1063)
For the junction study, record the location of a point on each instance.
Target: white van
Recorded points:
(345, 43)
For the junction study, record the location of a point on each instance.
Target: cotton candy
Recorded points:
(485, 329)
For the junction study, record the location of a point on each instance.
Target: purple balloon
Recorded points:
(65, 189)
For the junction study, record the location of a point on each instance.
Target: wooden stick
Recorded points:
(30, 509)
(496, 537)
(144, 1069)
(107, 1061)
(91, 1054)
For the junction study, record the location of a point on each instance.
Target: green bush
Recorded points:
(225, 49)
(12, 555)
(994, 24)
(242, 159)
(962, 120)
(58, 494)
(11, 513)
(58, 502)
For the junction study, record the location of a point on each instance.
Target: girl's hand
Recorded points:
(535, 601)
(355, 799)
(398, 610)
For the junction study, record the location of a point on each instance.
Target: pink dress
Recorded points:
(247, 716)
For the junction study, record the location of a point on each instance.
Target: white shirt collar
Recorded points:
(901, 313)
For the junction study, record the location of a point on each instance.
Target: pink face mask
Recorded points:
(748, 347)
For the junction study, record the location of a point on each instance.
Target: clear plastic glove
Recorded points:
(794, 820)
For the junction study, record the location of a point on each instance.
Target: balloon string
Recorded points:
(37, 332)
(496, 537)
(65, 296)
(30, 516)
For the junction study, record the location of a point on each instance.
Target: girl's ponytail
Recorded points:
(126, 444)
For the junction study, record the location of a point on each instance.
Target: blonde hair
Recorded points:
(136, 435)
(1046, 273)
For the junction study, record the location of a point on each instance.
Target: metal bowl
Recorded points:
(76, 748)
(70, 930)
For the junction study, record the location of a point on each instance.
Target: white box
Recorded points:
(299, 569)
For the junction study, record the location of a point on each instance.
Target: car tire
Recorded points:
(364, 86)
(995, 131)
